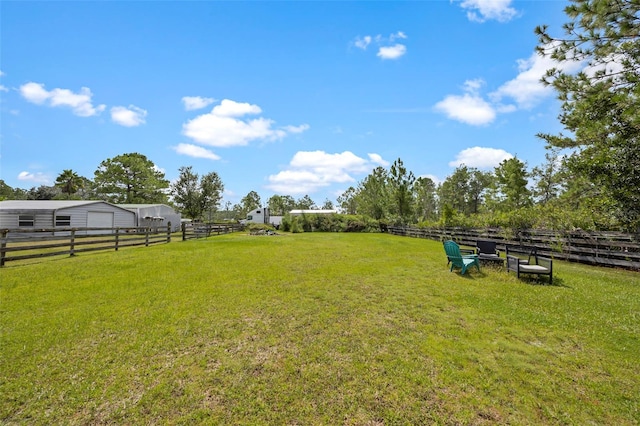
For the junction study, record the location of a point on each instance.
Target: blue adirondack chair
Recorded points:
(458, 260)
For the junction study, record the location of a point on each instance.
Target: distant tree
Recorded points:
(511, 180)
(327, 205)
(400, 189)
(69, 182)
(425, 198)
(197, 196)
(600, 104)
(279, 205)
(43, 192)
(373, 196)
(305, 203)
(347, 201)
(251, 201)
(464, 190)
(548, 178)
(130, 178)
(6, 192)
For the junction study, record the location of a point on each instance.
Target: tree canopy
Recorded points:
(130, 178)
(196, 196)
(601, 103)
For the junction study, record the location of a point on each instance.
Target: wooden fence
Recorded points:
(614, 249)
(202, 230)
(22, 244)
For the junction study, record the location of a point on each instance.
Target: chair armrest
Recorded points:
(513, 262)
(544, 261)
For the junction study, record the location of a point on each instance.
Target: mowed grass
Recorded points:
(310, 329)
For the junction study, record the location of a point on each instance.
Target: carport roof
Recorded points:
(45, 204)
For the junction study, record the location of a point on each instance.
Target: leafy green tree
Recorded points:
(511, 180)
(463, 190)
(400, 182)
(600, 104)
(196, 196)
(251, 201)
(279, 205)
(8, 193)
(43, 192)
(348, 201)
(425, 198)
(327, 205)
(69, 182)
(548, 178)
(130, 178)
(305, 203)
(373, 196)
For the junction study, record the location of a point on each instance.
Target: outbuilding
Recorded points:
(49, 214)
(155, 215)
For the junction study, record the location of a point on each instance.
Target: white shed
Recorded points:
(48, 214)
(155, 215)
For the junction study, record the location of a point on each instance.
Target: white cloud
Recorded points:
(468, 108)
(377, 159)
(195, 151)
(34, 177)
(309, 171)
(399, 34)
(3, 88)
(80, 103)
(229, 108)
(224, 126)
(362, 42)
(526, 89)
(392, 52)
(480, 157)
(196, 102)
(296, 129)
(386, 47)
(484, 10)
(130, 116)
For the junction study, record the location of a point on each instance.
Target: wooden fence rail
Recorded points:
(203, 230)
(614, 249)
(22, 244)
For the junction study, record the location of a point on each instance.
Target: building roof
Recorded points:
(45, 204)
(141, 206)
(313, 211)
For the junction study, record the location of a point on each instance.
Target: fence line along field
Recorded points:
(313, 328)
(21, 244)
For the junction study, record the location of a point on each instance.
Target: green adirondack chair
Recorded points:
(458, 260)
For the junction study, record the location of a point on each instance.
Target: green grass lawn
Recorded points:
(313, 328)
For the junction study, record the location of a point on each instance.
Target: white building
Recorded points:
(49, 214)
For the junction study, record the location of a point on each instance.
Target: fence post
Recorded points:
(184, 231)
(3, 246)
(72, 243)
(117, 238)
(146, 236)
(169, 232)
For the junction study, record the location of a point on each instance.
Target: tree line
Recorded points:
(132, 178)
(590, 179)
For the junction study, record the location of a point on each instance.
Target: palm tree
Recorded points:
(69, 182)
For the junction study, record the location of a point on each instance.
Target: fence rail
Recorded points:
(614, 249)
(202, 230)
(23, 244)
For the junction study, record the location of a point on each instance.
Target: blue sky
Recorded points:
(291, 98)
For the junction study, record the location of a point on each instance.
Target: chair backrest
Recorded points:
(523, 252)
(453, 252)
(488, 247)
